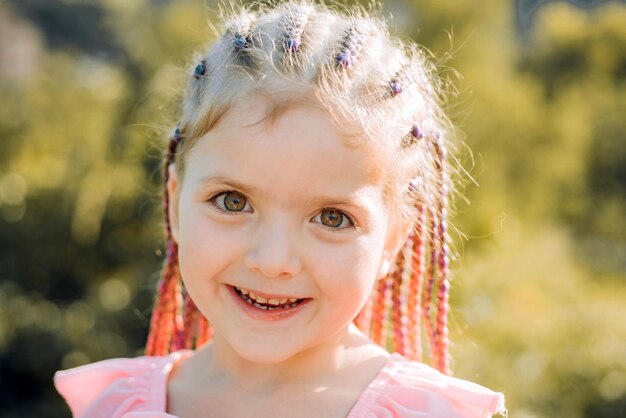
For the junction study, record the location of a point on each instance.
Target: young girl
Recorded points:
(306, 196)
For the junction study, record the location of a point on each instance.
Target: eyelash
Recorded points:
(352, 224)
(214, 200)
(317, 218)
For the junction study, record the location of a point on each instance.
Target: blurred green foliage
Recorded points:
(89, 90)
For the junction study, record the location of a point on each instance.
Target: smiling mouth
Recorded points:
(266, 304)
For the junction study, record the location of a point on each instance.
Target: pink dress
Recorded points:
(137, 388)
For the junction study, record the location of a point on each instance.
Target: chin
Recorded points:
(266, 352)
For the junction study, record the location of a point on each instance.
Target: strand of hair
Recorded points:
(397, 319)
(429, 284)
(378, 312)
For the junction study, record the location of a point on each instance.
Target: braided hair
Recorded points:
(383, 93)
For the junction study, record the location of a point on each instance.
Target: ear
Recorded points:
(173, 191)
(395, 240)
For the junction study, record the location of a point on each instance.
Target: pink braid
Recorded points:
(415, 285)
(378, 312)
(205, 333)
(178, 336)
(427, 298)
(397, 318)
(163, 322)
(386, 310)
(190, 326)
(443, 262)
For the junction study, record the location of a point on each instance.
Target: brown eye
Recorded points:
(231, 202)
(333, 218)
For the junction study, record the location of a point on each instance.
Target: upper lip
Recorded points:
(268, 295)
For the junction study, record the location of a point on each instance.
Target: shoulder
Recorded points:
(118, 387)
(405, 388)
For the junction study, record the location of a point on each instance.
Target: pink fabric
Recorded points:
(136, 388)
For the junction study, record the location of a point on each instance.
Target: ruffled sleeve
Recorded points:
(118, 388)
(411, 389)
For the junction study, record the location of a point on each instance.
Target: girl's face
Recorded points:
(282, 229)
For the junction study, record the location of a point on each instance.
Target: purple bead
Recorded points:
(344, 58)
(292, 44)
(396, 87)
(417, 132)
(240, 41)
(178, 136)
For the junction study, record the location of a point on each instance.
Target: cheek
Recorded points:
(349, 270)
(204, 246)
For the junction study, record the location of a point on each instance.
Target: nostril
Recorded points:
(273, 265)
(273, 255)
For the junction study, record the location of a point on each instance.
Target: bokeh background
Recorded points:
(88, 92)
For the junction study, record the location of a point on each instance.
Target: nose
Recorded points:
(272, 251)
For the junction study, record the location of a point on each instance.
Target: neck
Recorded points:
(313, 366)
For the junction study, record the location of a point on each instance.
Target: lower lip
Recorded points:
(265, 315)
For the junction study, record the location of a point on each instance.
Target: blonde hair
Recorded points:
(382, 94)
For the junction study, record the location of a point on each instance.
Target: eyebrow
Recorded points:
(327, 201)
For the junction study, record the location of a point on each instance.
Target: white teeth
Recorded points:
(242, 291)
(261, 302)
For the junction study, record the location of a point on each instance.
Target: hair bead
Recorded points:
(344, 58)
(417, 132)
(240, 31)
(239, 41)
(292, 44)
(396, 87)
(200, 70)
(178, 136)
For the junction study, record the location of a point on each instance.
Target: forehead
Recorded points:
(297, 133)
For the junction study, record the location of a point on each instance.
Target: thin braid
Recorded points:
(386, 310)
(205, 332)
(156, 322)
(398, 322)
(428, 290)
(378, 312)
(351, 44)
(295, 21)
(178, 335)
(241, 32)
(190, 327)
(415, 284)
(443, 261)
(162, 323)
(241, 40)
